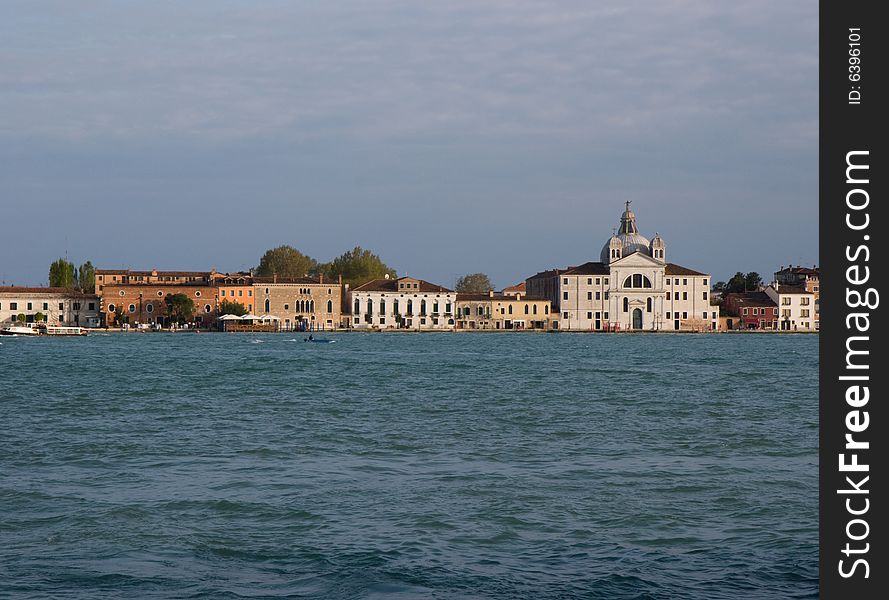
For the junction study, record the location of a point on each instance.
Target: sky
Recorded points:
(448, 137)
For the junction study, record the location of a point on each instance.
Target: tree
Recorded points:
(21, 317)
(476, 283)
(180, 308)
(39, 317)
(120, 317)
(286, 261)
(232, 308)
(86, 278)
(719, 286)
(62, 274)
(752, 281)
(357, 266)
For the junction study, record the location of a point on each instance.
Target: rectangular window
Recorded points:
(705, 314)
(565, 315)
(598, 295)
(598, 281)
(676, 295)
(685, 295)
(785, 301)
(222, 293)
(804, 301)
(606, 295)
(606, 316)
(705, 295)
(685, 282)
(13, 306)
(29, 306)
(565, 280)
(705, 282)
(61, 306)
(668, 315)
(589, 295)
(564, 295)
(61, 319)
(589, 281)
(804, 312)
(745, 311)
(606, 281)
(684, 315)
(249, 293)
(589, 315)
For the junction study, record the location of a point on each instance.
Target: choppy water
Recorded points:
(409, 466)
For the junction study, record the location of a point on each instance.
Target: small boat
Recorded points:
(19, 330)
(315, 340)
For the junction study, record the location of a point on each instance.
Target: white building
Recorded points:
(54, 306)
(632, 287)
(403, 303)
(796, 307)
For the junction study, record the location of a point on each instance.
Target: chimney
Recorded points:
(340, 279)
(274, 278)
(320, 277)
(490, 293)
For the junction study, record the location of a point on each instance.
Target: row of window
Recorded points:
(30, 306)
(231, 293)
(410, 307)
(631, 281)
(759, 311)
(675, 295)
(669, 315)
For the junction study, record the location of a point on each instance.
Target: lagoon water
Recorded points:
(409, 466)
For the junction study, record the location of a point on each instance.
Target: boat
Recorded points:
(63, 330)
(19, 330)
(315, 340)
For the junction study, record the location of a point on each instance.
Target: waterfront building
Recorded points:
(141, 295)
(751, 310)
(403, 303)
(236, 287)
(631, 287)
(796, 305)
(808, 278)
(300, 303)
(56, 306)
(514, 290)
(504, 312)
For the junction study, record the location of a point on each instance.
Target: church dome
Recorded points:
(629, 237)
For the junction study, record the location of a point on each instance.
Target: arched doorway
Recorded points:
(637, 318)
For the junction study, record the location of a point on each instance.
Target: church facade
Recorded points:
(631, 288)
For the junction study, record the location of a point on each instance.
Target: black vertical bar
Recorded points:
(853, 226)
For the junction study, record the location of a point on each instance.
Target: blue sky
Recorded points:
(454, 137)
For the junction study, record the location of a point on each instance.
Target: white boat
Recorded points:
(63, 330)
(19, 330)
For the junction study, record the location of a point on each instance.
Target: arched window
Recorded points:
(526, 309)
(422, 308)
(546, 309)
(648, 306)
(535, 309)
(626, 305)
(395, 307)
(637, 281)
(370, 307)
(510, 309)
(410, 307)
(330, 306)
(357, 309)
(311, 306)
(268, 306)
(383, 307)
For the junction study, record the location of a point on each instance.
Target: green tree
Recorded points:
(357, 266)
(62, 274)
(752, 281)
(736, 284)
(232, 308)
(39, 317)
(21, 317)
(475, 283)
(180, 308)
(86, 277)
(286, 261)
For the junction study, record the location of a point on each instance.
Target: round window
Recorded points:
(121, 293)
(197, 294)
(132, 308)
(159, 293)
(111, 308)
(149, 307)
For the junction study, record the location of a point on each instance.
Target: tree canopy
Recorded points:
(227, 307)
(62, 274)
(286, 261)
(741, 282)
(180, 308)
(86, 278)
(474, 283)
(357, 266)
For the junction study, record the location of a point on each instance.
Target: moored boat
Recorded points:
(19, 330)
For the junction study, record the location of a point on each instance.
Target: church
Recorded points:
(631, 288)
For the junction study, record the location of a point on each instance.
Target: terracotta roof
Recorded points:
(750, 299)
(590, 268)
(14, 289)
(153, 273)
(391, 285)
(792, 289)
(280, 280)
(519, 287)
(545, 274)
(674, 269)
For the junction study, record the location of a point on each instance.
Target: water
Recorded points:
(409, 466)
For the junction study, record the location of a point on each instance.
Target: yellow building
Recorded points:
(513, 311)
